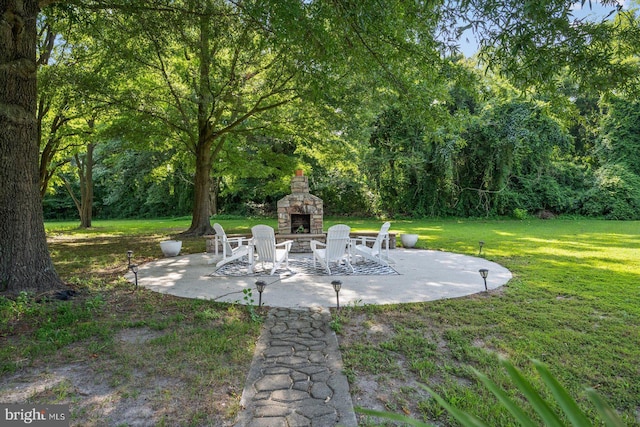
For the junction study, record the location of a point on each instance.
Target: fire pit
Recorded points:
(300, 215)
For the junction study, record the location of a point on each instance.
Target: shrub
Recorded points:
(520, 214)
(614, 195)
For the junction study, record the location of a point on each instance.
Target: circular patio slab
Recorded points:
(422, 275)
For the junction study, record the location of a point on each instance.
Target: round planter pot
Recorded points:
(408, 240)
(171, 247)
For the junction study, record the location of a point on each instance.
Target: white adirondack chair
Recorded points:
(334, 250)
(230, 253)
(264, 241)
(375, 252)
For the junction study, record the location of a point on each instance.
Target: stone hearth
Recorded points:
(300, 213)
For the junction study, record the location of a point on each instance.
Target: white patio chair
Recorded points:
(230, 253)
(335, 249)
(264, 241)
(375, 252)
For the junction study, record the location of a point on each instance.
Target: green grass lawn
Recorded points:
(574, 303)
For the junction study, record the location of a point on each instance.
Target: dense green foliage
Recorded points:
(510, 154)
(420, 133)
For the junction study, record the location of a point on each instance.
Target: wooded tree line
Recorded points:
(122, 100)
(168, 106)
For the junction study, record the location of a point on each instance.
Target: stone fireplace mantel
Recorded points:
(300, 213)
(300, 208)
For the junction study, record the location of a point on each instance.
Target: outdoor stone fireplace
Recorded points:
(300, 215)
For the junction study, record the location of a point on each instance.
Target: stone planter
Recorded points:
(171, 247)
(409, 240)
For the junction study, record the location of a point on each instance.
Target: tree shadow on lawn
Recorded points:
(107, 255)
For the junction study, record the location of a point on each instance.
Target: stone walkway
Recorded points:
(296, 376)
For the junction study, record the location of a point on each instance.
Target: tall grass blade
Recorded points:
(509, 404)
(549, 417)
(464, 418)
(608, 415)
(568, 405)
(393, 417)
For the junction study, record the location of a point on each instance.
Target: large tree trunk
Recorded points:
(84, 204)
(86, 188)
(214, 188)
(25, 263)
(85, 173)
(200, 223)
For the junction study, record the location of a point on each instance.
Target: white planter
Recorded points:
(171, 247)
(409, 240)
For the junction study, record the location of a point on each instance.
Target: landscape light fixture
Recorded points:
(484, 273)
(260, 285)
(132, 267)
(481, 244)
(337, 285)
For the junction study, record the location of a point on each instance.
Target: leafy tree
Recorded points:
(70, 72)
(211, 70)
(53, 116)
(620, 134)
(491, 162)
(203, 70)
(616, 187)
(512, 145)
(397, 152)
(615, 193)
(534, 43)
(84, 163)
(582, 119)
(318, 43)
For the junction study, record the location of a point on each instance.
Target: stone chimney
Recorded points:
(300, 212)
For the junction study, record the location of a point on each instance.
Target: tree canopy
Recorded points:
(225, 93)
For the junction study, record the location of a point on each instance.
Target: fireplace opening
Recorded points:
(300, 212)
(301, 223)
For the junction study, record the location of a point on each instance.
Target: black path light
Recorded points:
(337, 285)
(484, 273)
(132, 267)
(260, 285)
(481, 244)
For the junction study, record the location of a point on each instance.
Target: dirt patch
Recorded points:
(137, 335)
(97, 397)
(93, 400)
(133, 376)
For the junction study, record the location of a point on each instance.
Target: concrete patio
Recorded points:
(423, 275)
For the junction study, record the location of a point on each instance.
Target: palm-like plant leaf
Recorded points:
(609, 416)
(568, 405)
(393, 417)
(549, 417)
(509, 404)
(464, 418)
